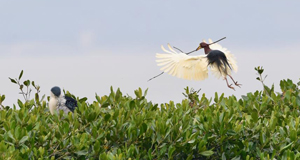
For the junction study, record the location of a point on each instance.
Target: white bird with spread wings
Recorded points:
(181, 65)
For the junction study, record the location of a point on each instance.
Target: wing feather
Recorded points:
(66, 104)
(171, 49)
(163, 48)
(181, 65)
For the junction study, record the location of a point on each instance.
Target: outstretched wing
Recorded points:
(182, 65)
(230, 58)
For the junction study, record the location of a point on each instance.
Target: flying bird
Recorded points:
(220, 61)
(59, 102)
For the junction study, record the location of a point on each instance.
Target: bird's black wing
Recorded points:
(71, 103)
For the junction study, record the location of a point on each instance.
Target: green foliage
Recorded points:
(260, 125)
(2, 98)
(26, 93)
(260, 71)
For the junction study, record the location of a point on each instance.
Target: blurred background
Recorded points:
(87, 46)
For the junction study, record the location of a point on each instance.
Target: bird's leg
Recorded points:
(235, 82)
(230, 86)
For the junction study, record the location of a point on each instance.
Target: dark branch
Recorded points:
(156, 76)
(183, 52)
(178, 49)
(191, 52)
(217, 40)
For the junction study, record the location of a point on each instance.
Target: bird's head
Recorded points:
(202, 45)
(205, 45)
(56, 91)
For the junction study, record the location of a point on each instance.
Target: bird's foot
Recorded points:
(236, 83)
(230, 86)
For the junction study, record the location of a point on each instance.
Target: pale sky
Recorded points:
(87, 46)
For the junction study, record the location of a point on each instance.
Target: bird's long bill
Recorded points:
(198, 48)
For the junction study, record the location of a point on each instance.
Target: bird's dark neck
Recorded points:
(207, 49)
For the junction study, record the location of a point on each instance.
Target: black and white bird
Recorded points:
(181, 65)
(59, 102)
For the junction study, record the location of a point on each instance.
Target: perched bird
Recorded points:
(181, 65)
(59, 102)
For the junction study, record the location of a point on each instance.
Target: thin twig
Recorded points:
(218, 40)
(178, 49)
(156, 76)
(27, 94)
(22, 92)
(191, 52)
(183, 52)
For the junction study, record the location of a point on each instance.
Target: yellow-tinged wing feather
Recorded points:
(182, 65)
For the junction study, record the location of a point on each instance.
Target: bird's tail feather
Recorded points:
(222, 64)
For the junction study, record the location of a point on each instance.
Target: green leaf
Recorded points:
(81, 153)
(107, 117)
(12, 80)
(207, 153)
(132, 104)
(143, 128)
(2, 98)
(136, 92)
(21, 74)
(216, 99)
(82, 99)
(37, 97)
(97, 146)
(17, 132)
(111, 89)
(118, 94)
(171, 151)
(223, 156)
(260, 70)
(191, 141)
(26, 83)
(20, 103)
(254, 116)
(293, 134)
(103, 156)
(163, 150)
(245, 98)
(190, 157)
(10, 135)
(24, 139)
(285, 147)
(98, 98)
(145, 92)
(236, 158)
(104, 105)
(32, 83)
